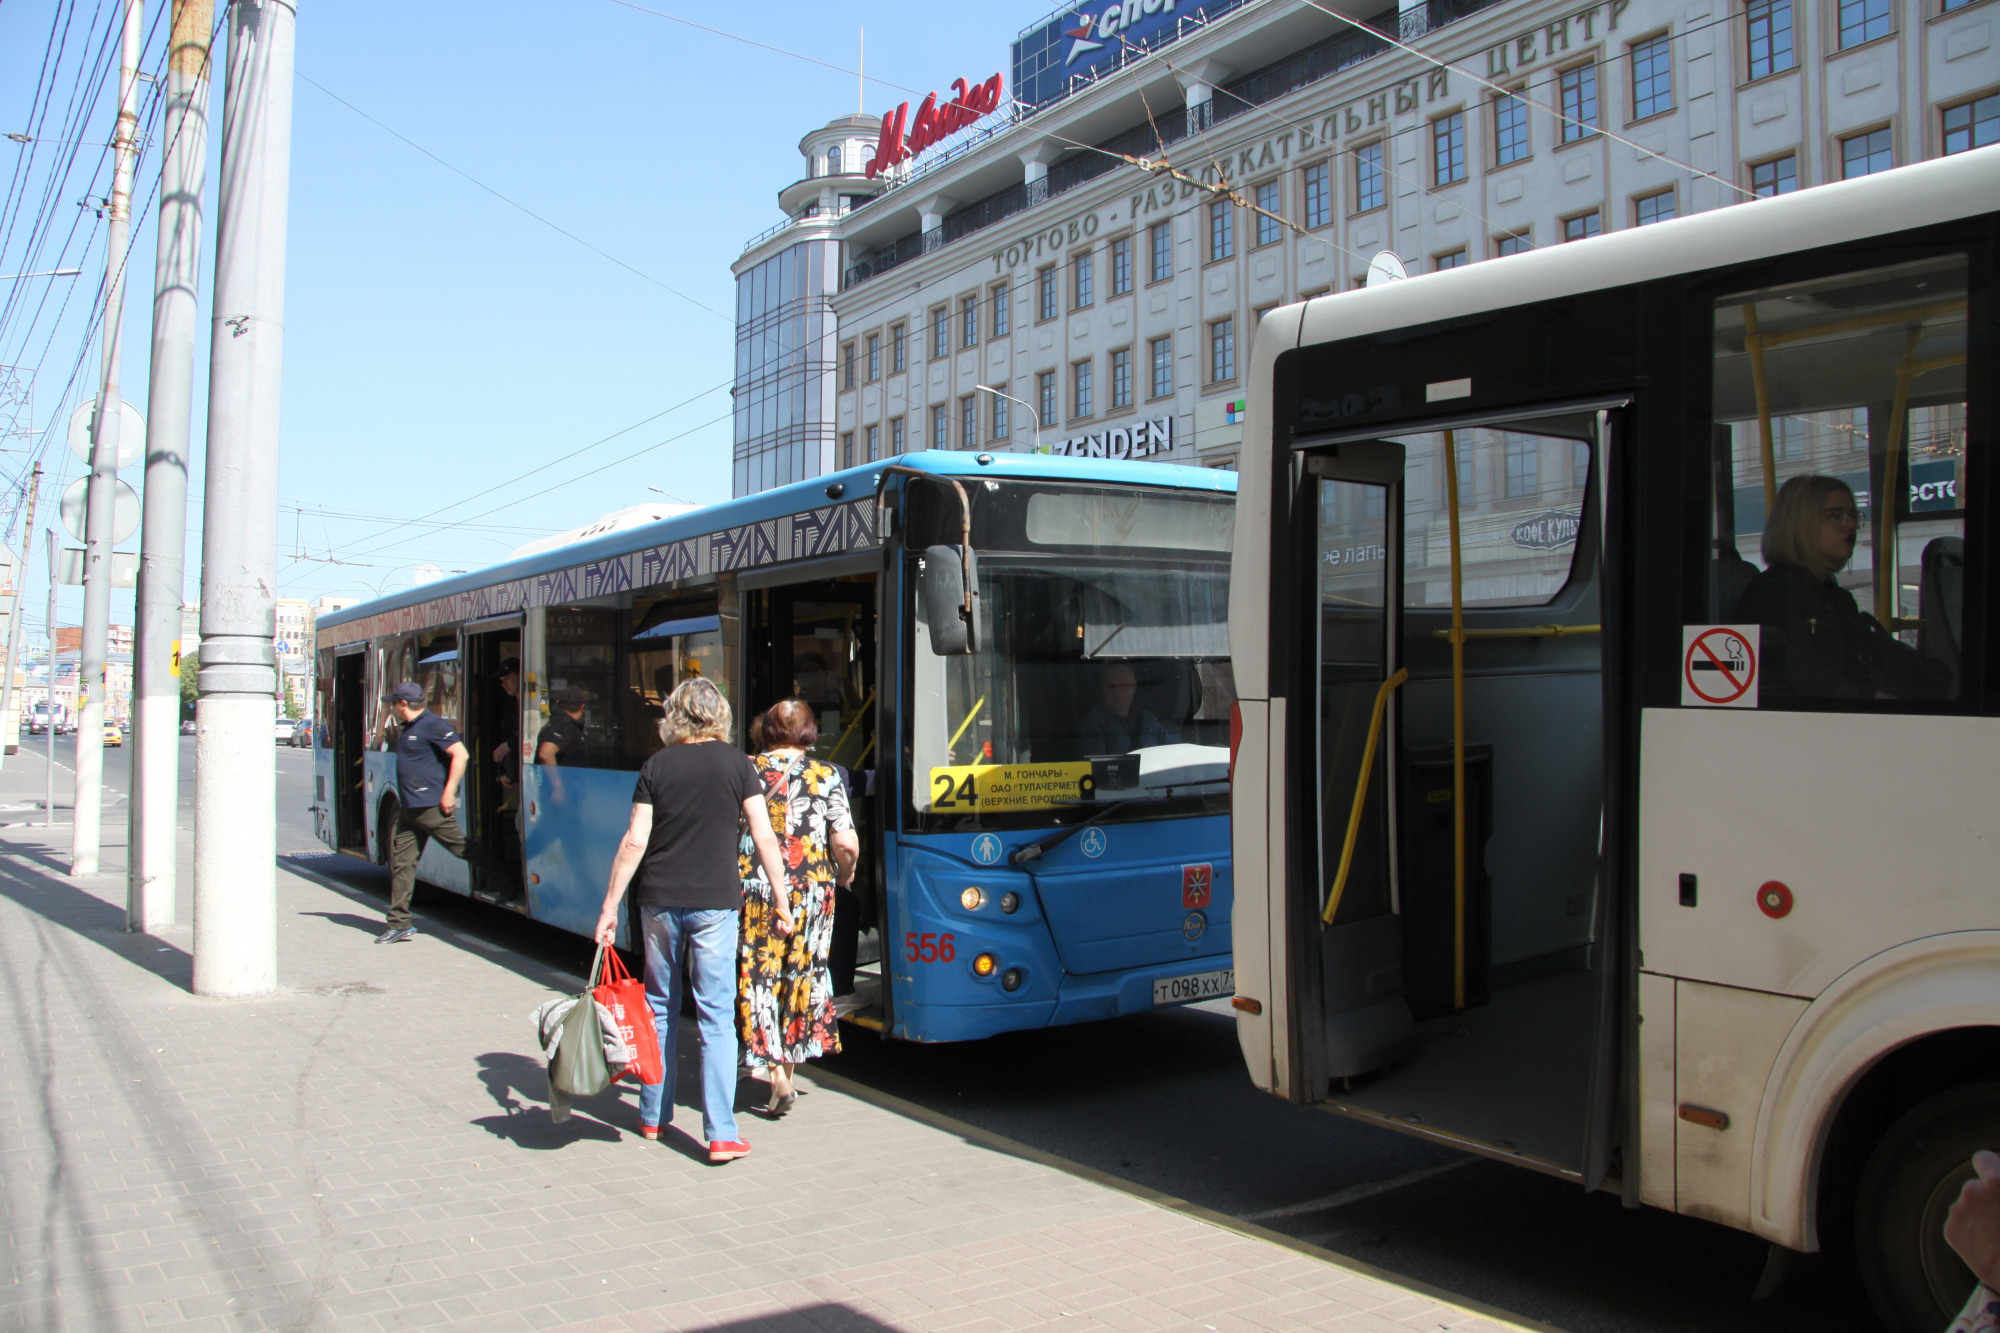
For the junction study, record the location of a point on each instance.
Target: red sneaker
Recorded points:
(720, 1151)
(649, 1132)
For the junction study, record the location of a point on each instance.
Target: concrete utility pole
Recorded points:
(55, 582)
(235, 776)
(97, 530)
(14, 623)
(156, 684)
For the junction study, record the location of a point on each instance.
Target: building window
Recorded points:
(968, 421)
(968, 321)
(1972, 124)
(1866, 154)
(1269, 229)
(940, 332)
(1450, 259)
(833, 160)
(1448, 148)
(940, 428)
(1084, 267)
(874, 443)
(898, 437)
(1518, 243)
(1522, 462)
(1950, 5)
(1163, 366)
(1000, 427)
(847, 365)
(1582, 226)
(1222, 350)
(1319, 195)
(1652, 77)
(847, 447)
(1510, 129)
(874, 356)
(1002, 312)
(1770, 37)
(1160, 239)
(1778, 176)
(1863, 21)
(1579, 103)
(1121, 377)
(1083, 400)
(1045, 294)
(1368, 190)
(899, 348)
(1121, 266)
(1653, 208)
(1221, 229)
(1045, 395)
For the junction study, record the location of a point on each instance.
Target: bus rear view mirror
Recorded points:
(949, 583)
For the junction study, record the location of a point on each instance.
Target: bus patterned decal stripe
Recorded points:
(830, 530)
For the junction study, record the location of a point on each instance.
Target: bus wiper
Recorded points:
(1030, 851)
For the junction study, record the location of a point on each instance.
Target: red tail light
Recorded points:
(1235, 737)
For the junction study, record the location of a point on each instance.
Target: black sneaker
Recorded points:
(388, 936)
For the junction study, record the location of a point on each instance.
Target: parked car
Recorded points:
(112, 735)
(187, 727)
(302, 734)
(283, 730)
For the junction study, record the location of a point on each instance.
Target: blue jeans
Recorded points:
(671, 934)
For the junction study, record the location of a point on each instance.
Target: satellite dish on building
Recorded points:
(1385, 268)
(131, 434)
(124, 509)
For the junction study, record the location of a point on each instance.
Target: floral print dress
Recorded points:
(784, 997)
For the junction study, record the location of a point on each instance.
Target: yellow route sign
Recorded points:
(994, 788)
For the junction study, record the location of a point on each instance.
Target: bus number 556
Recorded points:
(928, 948)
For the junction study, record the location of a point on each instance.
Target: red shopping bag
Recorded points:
(617, 990)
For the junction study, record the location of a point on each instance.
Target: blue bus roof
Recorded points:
(797, 498)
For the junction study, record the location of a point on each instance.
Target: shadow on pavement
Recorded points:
(367, 925)
(49, 894)
(824, 1318)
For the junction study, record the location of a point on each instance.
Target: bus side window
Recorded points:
(582, 652)
(1838, 517)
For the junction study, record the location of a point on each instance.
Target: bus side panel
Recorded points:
(1658, 1122)
(942, 999)
(1258, 975)
(1277, 892)
(1726, 1040)
(378, 774)
(576, 818)
(325, 806)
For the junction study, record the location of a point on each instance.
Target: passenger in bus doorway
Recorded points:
(1116, 724)
(561, 741)
(1817, 644)
(691, 798)
(430, 763)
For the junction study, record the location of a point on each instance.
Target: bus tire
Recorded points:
(1912, 1178)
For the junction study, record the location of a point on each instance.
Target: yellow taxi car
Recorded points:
(112, 735)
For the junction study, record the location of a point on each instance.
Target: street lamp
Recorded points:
(987, 388)
(45, 273)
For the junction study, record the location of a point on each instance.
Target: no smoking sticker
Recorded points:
(1719, 666)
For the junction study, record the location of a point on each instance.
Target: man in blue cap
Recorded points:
(430, 762)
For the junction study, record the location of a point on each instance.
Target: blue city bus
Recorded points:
(1022, 662)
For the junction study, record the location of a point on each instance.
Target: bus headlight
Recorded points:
(1010, 903)
(984, 965)
(973, 898)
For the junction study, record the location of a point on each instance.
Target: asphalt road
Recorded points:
(1162, 1100)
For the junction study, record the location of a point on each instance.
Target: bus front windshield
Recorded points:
(1101, 686)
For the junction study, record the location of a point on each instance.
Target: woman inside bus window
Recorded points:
(1817, 644)
(784, 1003)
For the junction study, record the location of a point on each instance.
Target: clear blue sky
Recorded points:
(437, 339)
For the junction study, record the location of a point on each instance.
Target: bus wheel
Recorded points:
(1913, 1177)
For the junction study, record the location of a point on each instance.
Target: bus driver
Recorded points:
(1117, 725)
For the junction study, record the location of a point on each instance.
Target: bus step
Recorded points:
(866, 1018)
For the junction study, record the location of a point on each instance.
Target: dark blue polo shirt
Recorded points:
(422, 760)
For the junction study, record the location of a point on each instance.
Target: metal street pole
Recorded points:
(987, 388)
(55, 582)
(88, 832)
(235, 775)
(14, 623)
(156, 686)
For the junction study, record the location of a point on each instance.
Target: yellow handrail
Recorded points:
(1360, 796)
(1524, 632)
(1887, 559)
(1457, 730)
(948, 745)
(1753, 342)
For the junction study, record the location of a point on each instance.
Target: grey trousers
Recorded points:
(414, 830)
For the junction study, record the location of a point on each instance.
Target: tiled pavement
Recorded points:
(371, 1149)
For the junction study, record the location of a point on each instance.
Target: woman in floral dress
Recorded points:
(784, 998)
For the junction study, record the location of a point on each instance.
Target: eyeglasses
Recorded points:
(1840, 514)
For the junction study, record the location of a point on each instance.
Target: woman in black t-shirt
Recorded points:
(691, 800)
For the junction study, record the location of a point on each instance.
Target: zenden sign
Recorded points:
(1141, 439)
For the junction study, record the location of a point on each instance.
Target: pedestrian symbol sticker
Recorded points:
(986, 849)
(1197, 885)
(1093, 842)
(1719, 666)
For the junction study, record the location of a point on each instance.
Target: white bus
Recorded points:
(1619, 796)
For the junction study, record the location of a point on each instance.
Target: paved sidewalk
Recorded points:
(371, 1149)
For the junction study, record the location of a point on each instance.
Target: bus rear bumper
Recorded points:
(1085, 999)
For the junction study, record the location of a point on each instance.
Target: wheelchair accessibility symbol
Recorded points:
(1093, 842)
(986, 849)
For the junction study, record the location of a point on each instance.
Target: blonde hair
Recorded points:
(695, 711)
(1791, 530)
